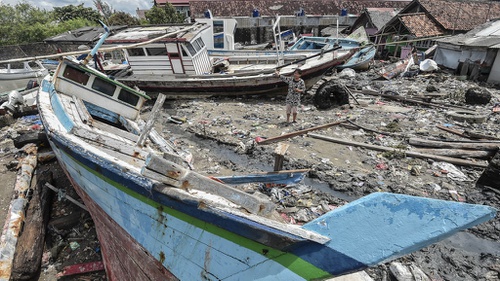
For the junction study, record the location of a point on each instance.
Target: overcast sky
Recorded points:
(127, 6)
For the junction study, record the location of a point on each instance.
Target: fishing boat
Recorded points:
(157, 219)
(361, 60)
(396, 69)
(28, 71)
(268, 179)
(184, 65)
(358, 41)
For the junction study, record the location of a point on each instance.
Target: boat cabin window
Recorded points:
(136, 52)
(200, 42)
(156, 51)
(76, 75)
(174, 55)
(191, 49)
(128, 97)
(103, 86)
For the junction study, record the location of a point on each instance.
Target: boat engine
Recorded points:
(15, 98)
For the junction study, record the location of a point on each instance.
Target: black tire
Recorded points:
(330, 94)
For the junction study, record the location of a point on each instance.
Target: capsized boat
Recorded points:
(157, 219)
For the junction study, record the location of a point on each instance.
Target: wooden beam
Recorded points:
(29, 250)
(461, 162)
(456, 145)
(466, 134)
(279, 156)
(296, 133)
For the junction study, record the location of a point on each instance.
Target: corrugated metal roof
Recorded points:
(486, 35)
(84, 35)
(145, 33)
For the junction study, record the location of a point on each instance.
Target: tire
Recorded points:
(330, 94)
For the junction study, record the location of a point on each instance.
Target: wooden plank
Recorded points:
(152, 117)
(280, 156)
(81, 268)
(111, 129)
(82, 111)
(467, 134)
(23, 181)
(297, 133)
(456, 145)
(10, 236)
(182, 178)
(29, 250)
(115, 143)
(482, 164)
(458, 153)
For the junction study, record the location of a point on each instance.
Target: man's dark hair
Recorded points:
(298, 70)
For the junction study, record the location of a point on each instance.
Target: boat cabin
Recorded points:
(104, 97)
(149, 51)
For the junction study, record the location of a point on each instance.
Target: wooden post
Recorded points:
(280, 156)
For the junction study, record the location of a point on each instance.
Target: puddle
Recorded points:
(473, 244)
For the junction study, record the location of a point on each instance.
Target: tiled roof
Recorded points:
(421, 25)
(173, 2)
(221, 8)
(460, 15)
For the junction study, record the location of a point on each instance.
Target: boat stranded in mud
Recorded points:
(188, 63)
(157, 219)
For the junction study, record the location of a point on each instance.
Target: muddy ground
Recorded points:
(220, 134)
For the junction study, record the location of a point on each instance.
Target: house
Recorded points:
(423, 21)
(473, 54)
(373, 19)
(222, 8)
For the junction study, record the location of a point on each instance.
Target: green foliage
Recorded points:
(73, 12)
(23, 23)
(122, 18)
(162, 15)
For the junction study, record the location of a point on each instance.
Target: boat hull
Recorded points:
(141, 239)
(226, 84)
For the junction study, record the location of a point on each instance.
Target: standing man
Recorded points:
(296, 86)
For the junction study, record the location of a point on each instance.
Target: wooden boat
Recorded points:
(269, 179)
(395, 69)
(184, 66)
(361, 60)
(26, 72)
(157, 219)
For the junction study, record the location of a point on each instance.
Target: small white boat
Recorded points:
(28, 71)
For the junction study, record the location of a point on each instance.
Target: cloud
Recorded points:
(127, 6)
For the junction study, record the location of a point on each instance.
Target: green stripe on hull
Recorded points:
(292, 262)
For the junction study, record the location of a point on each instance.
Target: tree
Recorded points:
(23, 23)
(165, 14)
(122, 18)
(104, 8)
(73, 12)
